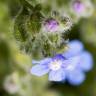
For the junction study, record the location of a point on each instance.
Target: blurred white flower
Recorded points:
(10, 83)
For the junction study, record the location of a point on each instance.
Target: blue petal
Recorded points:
(71, 63)
(59, 57)
(86, 62)
(58, 75)
(75, 77)
(39, 70)
(43, 61)
(35, 62)
(75, 47)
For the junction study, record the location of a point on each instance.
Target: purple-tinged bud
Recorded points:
(51, 25)
(55, 26)
(82, 8)
(78, 7)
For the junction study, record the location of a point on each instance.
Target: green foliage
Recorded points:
(27, 31)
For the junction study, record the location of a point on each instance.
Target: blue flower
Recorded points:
(52, 65)
(69, 66)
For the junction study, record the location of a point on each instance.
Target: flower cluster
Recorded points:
(69, 66)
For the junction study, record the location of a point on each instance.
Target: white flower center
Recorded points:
(56, 65)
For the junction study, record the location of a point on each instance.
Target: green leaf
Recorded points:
(20, 32)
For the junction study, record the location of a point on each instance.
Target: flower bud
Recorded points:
(82, 8)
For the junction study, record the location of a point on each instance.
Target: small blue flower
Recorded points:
(69, 66)
(52, 65)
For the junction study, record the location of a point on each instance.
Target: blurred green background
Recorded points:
(15, 79)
